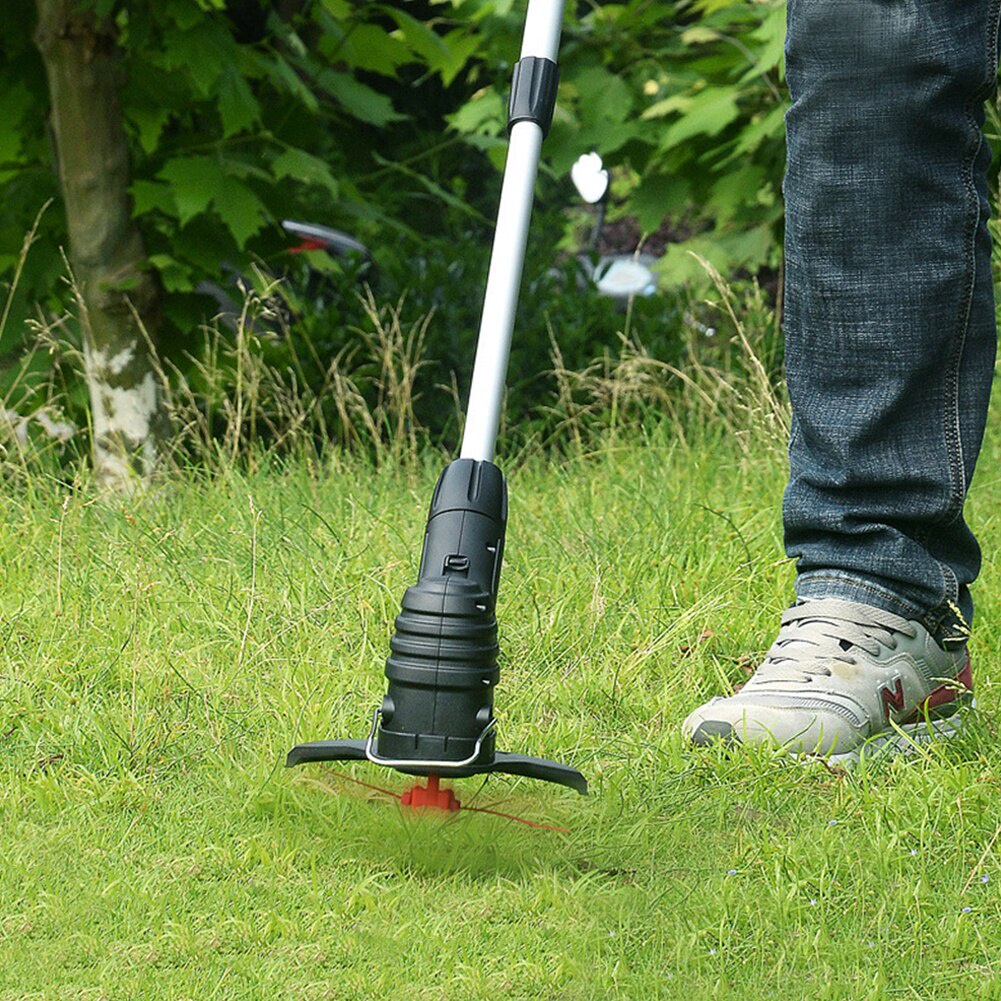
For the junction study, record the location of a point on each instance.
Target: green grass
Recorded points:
(160, 657)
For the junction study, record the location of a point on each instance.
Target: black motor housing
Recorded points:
(442, 667)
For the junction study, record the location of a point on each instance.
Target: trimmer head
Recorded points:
(437, 717)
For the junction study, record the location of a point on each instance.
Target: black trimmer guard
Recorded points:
(508, 764)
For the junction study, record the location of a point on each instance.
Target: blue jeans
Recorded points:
(889, 303)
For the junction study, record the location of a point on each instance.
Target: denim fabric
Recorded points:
(889, 305)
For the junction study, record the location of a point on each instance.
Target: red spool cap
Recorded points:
(430, 795)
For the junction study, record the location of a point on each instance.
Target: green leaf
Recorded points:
(699, 34)
(240, 209)
(659, 196)
(712, 6)
(341, 9)
(369, 47)
(462, 47)
(362, 102)
(680, 266)
(734, 189)
(194, 182)
(150, 97)
(667, 106)
(422, 39)
(149, 123)
(772, 33)
(485, 113)
(302, 166)
(726, 250)
(761, 129)
(238, 107)
(14, 102)
(285, 77)
(174, 275)
(707, 113)
(202, 51)
(245, 169)
(606, 110)
(183, 13)
(149, 195)
(10, 145)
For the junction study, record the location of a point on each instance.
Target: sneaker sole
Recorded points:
(905, 740)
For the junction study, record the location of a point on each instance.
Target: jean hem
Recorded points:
(945, 623)
(837, 585)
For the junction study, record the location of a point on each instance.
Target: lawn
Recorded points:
(161, 655)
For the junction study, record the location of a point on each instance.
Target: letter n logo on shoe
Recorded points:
(892, 698)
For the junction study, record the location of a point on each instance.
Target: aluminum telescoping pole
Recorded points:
(493, 347)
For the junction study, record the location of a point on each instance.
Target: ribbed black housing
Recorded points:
(442, 668)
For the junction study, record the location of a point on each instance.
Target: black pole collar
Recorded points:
(533, 92)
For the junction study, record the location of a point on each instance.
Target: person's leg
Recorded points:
(889, 309)
(890, 340)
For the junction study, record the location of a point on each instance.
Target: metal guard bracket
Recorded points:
(417, 763)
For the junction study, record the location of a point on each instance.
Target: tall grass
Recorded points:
(733, 387)
(251, 389)
(231, 404)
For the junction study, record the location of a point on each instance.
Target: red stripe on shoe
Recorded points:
(949, 692)
(892, 698)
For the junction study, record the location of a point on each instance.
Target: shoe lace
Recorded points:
(818, 631)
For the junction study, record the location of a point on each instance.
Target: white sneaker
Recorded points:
(840, 679)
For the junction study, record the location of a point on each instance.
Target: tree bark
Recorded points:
(119, 297)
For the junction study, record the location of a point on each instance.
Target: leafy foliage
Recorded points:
(686, 101)
(239, 115)
(386, 119)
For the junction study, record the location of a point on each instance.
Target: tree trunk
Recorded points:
(113, 287)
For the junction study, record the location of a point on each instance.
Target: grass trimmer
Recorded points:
(437, 717)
